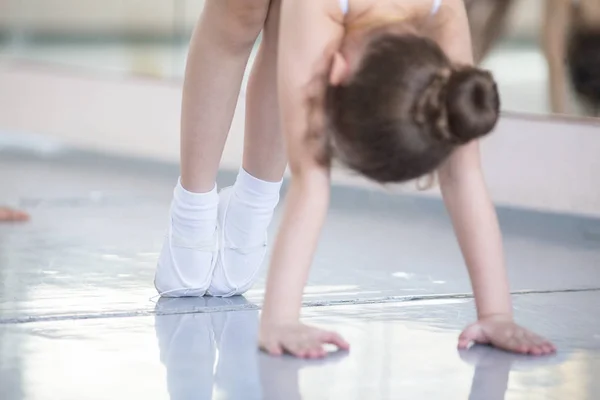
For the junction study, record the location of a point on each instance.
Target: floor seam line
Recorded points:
(246, 307)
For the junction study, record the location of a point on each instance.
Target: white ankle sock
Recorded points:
(194, 220)
(194, 214)
(251, 208)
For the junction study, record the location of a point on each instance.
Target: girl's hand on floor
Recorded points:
(502, 332)
(298, 340)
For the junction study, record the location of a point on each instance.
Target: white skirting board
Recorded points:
(544, 164)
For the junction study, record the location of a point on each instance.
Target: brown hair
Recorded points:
(406, 109)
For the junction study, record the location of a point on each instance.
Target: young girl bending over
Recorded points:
(387, 88)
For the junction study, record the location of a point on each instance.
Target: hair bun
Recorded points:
(461, 104)
(473, 104)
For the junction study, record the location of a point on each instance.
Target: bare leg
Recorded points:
(219, 51)
(10, 215)
(264, 153)
(246, 211)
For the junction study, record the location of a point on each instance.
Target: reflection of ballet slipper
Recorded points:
(207, 304)
(174, 305)
(279, 375)
(236, 336)
(187, 350)
(239, 304)
(189, 341)
(188, 344)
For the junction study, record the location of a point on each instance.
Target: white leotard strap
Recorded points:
(436, 6)
(345, 6)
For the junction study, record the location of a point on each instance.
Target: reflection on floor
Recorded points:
(523, 89)
(77, 319)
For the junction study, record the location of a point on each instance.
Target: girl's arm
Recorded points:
(555, 26)
(310, 32)
(476, 224)
(477, 230)
(466, 196)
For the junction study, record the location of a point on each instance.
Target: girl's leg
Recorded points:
(264, 153)
(246, 210)
(219, 51)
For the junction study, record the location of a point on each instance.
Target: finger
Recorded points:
(335, 339)
(540, 346)
(463, 343)
(512, 344)
(472, 333)
(534, 343)
(316, 350)
(549, 348)
(518, 342)
(543, 346)
(537, 339)
(319, 348)
(273, 349)
(536, 350)
(522, 347)
(304, 351)
(307, 347)
(295, 348)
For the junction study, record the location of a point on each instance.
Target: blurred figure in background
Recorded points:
(10, 215)
(487, 20)
(571, 39)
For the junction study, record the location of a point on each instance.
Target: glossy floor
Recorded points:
(77, 319)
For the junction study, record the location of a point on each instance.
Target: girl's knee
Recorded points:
(239, 21)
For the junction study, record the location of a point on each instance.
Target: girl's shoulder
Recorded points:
(411, 9)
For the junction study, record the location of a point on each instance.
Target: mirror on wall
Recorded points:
(545, 54)
(128, 37)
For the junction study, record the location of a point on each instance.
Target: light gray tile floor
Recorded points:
(76, 319)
